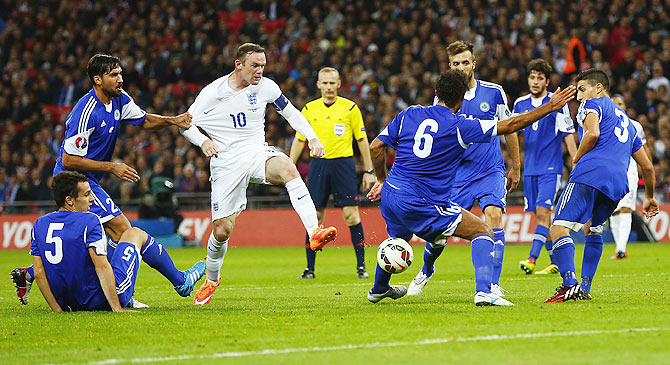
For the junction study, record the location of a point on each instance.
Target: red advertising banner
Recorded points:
(282, 227)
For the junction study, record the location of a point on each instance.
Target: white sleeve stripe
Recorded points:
(460, 139)
(85, 115)
(486, 125)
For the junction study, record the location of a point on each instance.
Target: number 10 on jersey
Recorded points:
(239, 121)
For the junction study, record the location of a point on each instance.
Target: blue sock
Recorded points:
(498, 254)
(382, 279)
(358, 240)
(430, 254)
(564, 256)
(538, 241)
(30, 275)
(593, 249)
(111, 247)
(158, 258)
(548, 246)
(311, 255)
(482, 246)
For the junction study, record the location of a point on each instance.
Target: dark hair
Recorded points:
(541, 66)
(244, 50)
(459, 47)
(101, 64)
(66, 184)
(595, 76)
(451, 87)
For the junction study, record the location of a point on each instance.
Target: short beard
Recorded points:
(538, 93)
(112, 93)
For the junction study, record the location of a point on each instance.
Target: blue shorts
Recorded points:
(540, 191)
(580, 203)
(125, 263)
(406, 213)
(103, 206)
(488, 190)
(335, 176)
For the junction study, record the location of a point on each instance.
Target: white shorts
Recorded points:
(629, 201)
(229, 188)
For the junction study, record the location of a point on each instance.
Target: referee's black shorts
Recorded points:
(335, 176)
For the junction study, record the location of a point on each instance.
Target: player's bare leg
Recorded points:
(281, 170)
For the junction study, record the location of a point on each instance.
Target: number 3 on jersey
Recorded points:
(423, 142)
(239, 121)
(621, 132)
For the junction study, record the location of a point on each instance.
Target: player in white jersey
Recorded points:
(622, 218)
(231, 110)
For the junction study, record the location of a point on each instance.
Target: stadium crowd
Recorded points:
(389, 54)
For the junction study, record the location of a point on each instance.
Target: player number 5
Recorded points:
(621, 132)
(56, 255)
(425, 139)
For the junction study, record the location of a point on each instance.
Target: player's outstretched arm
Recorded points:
(106, 276)
(118, 169)
(589, 138)
(523, 120)
(650, 205)
(296, 149)
(155, 121)
(193, 135)
(377, 153)
(43, 283)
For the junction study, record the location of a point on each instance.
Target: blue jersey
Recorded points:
(605, 166)
(486, 101)
(62, 240)
(92, 127)
(430, 143)
(543, 149)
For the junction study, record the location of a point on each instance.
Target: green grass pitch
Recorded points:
(263, 314)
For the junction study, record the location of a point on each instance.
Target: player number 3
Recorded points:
(425, 139)
(621, 132)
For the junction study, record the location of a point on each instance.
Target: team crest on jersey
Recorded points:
(81, 142)
(253, 100)
(216, 206)
(117, 114)
(484, 106)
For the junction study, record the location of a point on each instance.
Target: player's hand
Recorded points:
(376, 191)
(368, 181)
(562, 97)
(209, 148)
(124, 310)
(650, 207)
(125, 172)
(513, 178)
(316, 148)
(182, 120)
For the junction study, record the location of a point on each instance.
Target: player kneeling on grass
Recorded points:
(69, 249)
(430, 142)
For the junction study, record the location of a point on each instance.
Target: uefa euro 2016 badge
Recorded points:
(484, 106)
(81, 142)
(252, 99)
(117, 114)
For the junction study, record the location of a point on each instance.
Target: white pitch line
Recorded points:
(372, 345)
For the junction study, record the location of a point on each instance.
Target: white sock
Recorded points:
(303, 204)
(620, 225)
(216, 251)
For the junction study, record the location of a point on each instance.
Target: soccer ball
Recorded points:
(394, 255)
